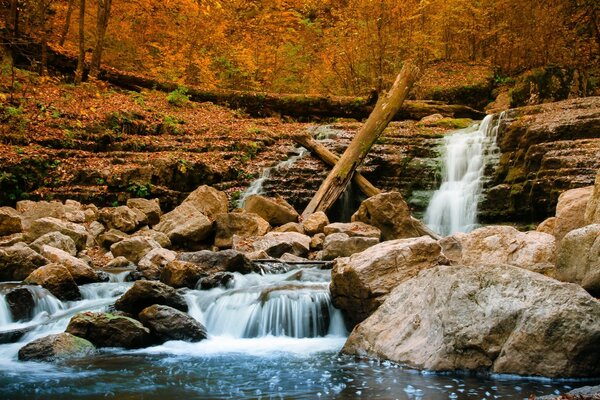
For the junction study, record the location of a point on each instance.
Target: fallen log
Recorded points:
(329, 158)
(385, 109)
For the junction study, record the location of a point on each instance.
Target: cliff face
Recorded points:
(546, 149)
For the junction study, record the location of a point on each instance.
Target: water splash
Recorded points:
(453, 208)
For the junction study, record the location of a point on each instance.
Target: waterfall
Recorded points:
(453, 208)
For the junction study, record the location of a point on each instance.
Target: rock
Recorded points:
(570, 210)
(185, 224)
(582, 393)
(133, 248)
(275, 211)
(111, 237)
(316, 242)
(224, 260)
(361, 282)
(150, 208)
(18, 261)
(353, 229)
(431, 120)
(121, 218)
(56, 240)
(146, 293)
(74, 211)
(341, 245)
(152, 264)
(167, 323)
(10, 221)
(11, 240)
(91, 212)
(287, 257)
(494, 245)
(21, 303)
(502, 318)
(315, 223)
(110, 330)
(578, 258)
(274, 244)
(43, 226)
(219, 279)
(592, 210)
(81, 272)
(388, 212)
(290, 227)
(32, 210)
(547, 226)
(208, 201)
(57, 280)
(96, 229)
(159, 237)
(119, 263)
(56, 347)
(242, 224)
(179, 274)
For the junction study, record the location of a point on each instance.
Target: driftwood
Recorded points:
(329, 158)
(385, 109)
(256, 104)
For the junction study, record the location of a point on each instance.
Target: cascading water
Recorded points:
(453, 208)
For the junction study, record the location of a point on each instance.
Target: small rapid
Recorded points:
(453, 207)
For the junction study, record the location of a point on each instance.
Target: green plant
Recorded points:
(138, 98)
(178, 97)
(139, 189)
(100, 181)
(235, 198)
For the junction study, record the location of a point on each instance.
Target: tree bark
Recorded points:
(329, 158)
(65, 31)
(14, 17)
(81, 57)
(101, 25)
(385, 109)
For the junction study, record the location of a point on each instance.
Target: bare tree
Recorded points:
(81, 57)
(101, 25)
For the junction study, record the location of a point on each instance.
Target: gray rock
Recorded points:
(57, 240)
(341, 245)
(146, 293)
(21, 303)
(150, 208)
(18, 261)
(185, 224)
(133, 248)
(110, 330)
(43, 226)
(579, 258)
(10, 221)
(275, 211)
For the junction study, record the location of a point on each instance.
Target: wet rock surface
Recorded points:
(146, 293)
(167, 323)
(57, 279)
(56, 347)
(110, 330)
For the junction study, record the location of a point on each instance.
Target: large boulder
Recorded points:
(21, 303)
(185, 224)
(57, 240)
(493, 245)
(274, 244)
(146, 293)
(224, 260)
(388, 212)
(157, 236)
(570, 210)
(315, 223)
(110, 237)
(18, 261)
(110, 330)
(352, 229)
(207, 200)
(152, 264)
(10, 221)
(56, 347)
(33, 210)
(179, 274)
(46, 225)
(242, 224)
(150, 208)
(276, 211)
(578, 258)
(133, 248)
(80, 271)
(502, 318)
(57, 279)
(167, 323)
(122, 218)
(361, 282)
(592, 210)
(342, 245)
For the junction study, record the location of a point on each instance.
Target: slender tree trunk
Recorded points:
(101, 26)
(81, 57)
(43, 15)
(385, 109)
(14, 17)
(65, 31)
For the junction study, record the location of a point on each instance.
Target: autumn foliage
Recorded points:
(318, 46)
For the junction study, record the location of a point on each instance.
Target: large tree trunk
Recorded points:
(81, 57)
(101, 25)
(65, 31)
(385, 109)
(329, 158)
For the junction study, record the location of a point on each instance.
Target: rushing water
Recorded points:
(453, 208)
(271, 336)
